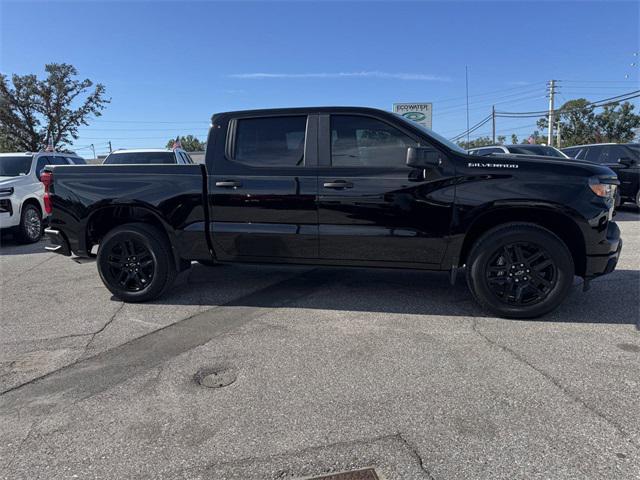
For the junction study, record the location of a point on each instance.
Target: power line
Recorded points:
(596, 104)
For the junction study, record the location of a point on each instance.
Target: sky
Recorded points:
(168, 66)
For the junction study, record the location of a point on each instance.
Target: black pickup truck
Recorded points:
(343, 186)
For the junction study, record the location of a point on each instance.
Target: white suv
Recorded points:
(148, 156)
(22, 207)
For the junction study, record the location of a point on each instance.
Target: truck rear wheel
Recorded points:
(135, 262)
(520, 270)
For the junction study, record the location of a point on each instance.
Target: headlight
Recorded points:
(604, 187)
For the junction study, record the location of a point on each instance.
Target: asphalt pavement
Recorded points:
(326, 370)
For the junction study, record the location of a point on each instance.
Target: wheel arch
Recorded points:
(558, 222)
(106, 218)
(32, 201)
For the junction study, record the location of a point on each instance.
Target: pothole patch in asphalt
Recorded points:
(215, 377)
(364, 474)
(629, 347)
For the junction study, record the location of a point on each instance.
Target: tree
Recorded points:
(34, 112)
(580, 124)
(481, 142)
(189, 143)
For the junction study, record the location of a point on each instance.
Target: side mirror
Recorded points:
(626, 161)
(421, 157)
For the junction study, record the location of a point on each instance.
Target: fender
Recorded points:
(562, 220)
(136, 212)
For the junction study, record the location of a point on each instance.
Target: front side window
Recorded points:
(358, 141)
(612, 154)
(41, 163)
(271, 141)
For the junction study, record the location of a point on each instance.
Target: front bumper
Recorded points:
(58, 243)
(602, 264)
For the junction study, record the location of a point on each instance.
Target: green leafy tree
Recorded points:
(189, 143)
(35, 111)
(514, 139)
(481, 142)
(580, 123)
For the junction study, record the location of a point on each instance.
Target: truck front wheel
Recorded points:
(135, 262)
(520, 270)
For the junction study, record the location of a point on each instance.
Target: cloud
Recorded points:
(362, 74)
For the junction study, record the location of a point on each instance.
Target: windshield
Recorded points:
(543, 150)
(15, 166)
(433, 134)
(139, 157)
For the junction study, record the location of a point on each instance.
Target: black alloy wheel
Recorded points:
(136, 263)
(520, 270)
(521, 273)
(130, 264)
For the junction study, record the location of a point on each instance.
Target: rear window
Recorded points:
(271, 141)
(76, 161)
(139, 158)
(15, 166)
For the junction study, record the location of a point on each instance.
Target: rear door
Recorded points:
(372, 208)
(263, 189)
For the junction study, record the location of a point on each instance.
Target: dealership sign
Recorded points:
(418, 112)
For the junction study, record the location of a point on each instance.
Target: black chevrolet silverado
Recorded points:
(343, 186)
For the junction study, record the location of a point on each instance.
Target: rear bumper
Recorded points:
(58, 243)
(602, 264)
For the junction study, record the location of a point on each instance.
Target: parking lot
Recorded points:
(332, 369)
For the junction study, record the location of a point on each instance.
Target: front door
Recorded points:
(263, 190)
(372, 208)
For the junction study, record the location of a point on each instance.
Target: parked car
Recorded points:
(148, 156)
(22, 207)
(524, 149)
(343, 186)
(622, 158)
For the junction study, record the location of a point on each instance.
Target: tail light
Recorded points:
(47, 179)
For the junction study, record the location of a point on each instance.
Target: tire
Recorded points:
(520, 270)
(135, 262)
(638, 199)
(31, 226)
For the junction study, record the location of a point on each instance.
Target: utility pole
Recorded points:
(94, 151)
(110, 147)
(552, 93)
(466, 82)
(558, 143)
(493, 119)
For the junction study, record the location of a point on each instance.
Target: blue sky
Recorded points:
(169, 65)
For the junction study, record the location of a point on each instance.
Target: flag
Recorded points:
(50, 146)
(176, 143)
(531, 140)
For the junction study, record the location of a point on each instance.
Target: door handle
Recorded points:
(228, 184)
(338, 184)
